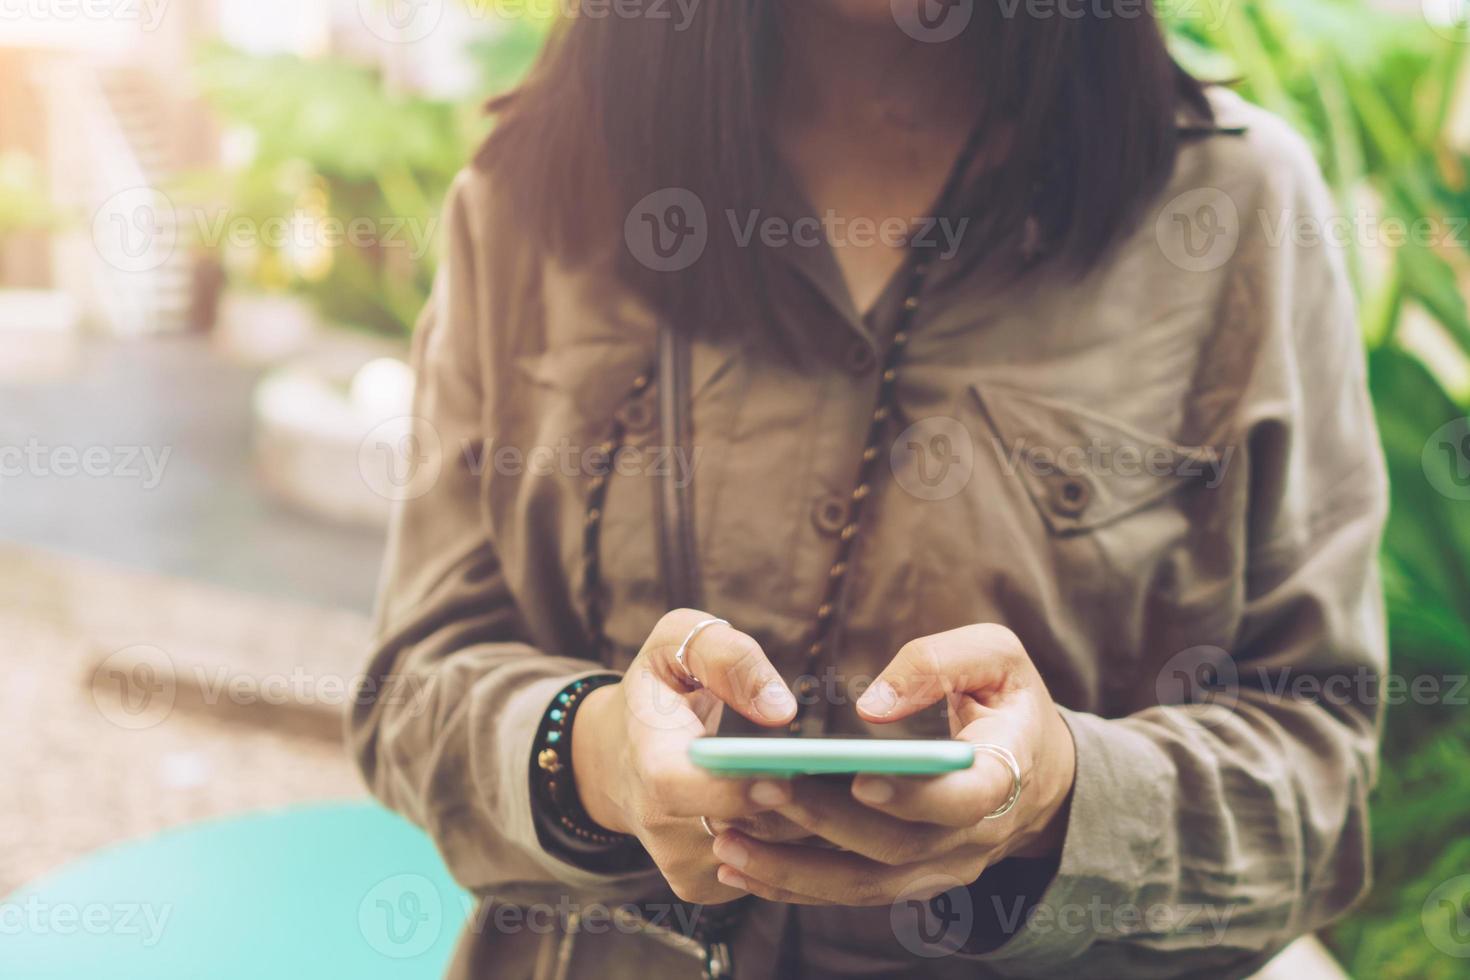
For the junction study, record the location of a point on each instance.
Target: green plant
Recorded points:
(341, 194)
(23, 203)
(1372, 92)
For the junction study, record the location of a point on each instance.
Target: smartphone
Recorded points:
(784, 757)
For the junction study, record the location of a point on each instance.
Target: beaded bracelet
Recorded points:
(555, 784)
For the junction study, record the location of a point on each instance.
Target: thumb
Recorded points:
(975, 660)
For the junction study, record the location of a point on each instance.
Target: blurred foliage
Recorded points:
(1373, 92)
(344, 160)
(23, 199)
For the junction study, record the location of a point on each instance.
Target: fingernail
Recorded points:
(775, 701)
(767, 793)
(873, 790)
(731, 877)
(731, 851)
(879, 699)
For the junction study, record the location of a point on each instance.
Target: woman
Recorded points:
(945, 371)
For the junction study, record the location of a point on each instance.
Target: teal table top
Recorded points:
(315, 892)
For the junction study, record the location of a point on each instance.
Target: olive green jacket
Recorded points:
(1164, 477)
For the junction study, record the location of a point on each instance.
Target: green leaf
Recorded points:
(1431, 281)
(1427, 542)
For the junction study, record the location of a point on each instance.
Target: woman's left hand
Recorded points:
(913, 837)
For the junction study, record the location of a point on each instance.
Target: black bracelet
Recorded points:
(553, 781)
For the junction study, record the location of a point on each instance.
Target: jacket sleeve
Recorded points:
(445, 714)
(1203, 837)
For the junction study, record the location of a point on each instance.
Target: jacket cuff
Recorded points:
(1118, 834)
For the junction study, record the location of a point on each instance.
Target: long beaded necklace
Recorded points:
(635, 404)
(718, 924)
(611, 447)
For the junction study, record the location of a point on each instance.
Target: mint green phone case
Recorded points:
(728, 756)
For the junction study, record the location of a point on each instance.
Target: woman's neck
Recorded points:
(866, 79)
(869, 122)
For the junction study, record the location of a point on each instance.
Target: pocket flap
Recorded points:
(1083, 469)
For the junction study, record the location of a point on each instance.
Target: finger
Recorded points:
(727, 893)
(730, 664)
(658, 710)
(678, 788)
(960, 799)
(662, 722)
(838, 877)
(771, 827)
(731, 878)
(986, 661)
(829, 812)
(697, 883)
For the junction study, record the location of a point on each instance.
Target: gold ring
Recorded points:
(1004, 755)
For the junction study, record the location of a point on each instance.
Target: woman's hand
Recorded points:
(630, 750)
(914, 837)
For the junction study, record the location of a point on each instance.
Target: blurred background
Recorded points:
(218, 220)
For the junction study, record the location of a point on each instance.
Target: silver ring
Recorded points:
(689, 677)
(704, 822)
(1004, 755)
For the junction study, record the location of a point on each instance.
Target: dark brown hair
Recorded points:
(617, 108)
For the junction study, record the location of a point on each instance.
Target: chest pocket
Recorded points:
(1110, 539)
(1083, 470)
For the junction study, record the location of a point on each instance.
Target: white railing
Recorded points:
(117, 255)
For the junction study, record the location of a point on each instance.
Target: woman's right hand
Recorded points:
(630, 750)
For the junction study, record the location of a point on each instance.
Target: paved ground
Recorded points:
(177, 567)
(134, 702)
(208, 518)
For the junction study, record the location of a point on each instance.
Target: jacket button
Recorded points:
(1070, 495)
(636, 415)
(860, 358)
(830, 514)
